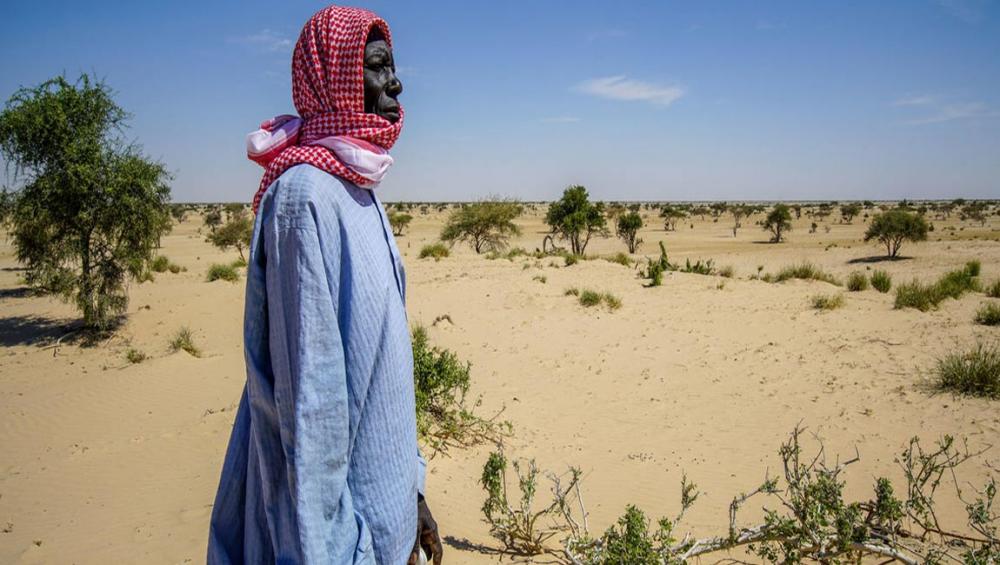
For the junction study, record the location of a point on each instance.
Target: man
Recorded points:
(322, 465)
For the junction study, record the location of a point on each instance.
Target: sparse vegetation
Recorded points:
(881, 281)
(806, 271)
(540, 278)
(435, 250)
(811, 519)
(988, 314)
(441, 383)
(894, 227)
(222, 272)
(134, 356)
(588, 298)
(827, 301)
(857, 281)
(975, 372)
(183, 340)
(993, 289)
(486, 225)
(925, 297)
(727, 272)
(621, 258)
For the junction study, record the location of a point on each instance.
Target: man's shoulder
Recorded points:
(304, 193)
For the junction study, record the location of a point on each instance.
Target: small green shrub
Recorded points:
(174, 268)
(655, 269)
(590, 298)
(827, 302)
(698, 267)
(239, 263)
(540, 278)
(222, 272)
(916, 295)
(441, 383)
(435, 250)
(988, 314)
(881, 281)
(571, 292)
(975, 372)
(159, 264)
(727, 272)
(611, 301)
(184, 341)
(806, 271)
(135, 356)
(973, 267)
(924, 297)
(857, 282)
(570, 259)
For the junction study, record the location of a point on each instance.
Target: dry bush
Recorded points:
(435, 250)
(925, 297)
(441, 384)
(222, 272)
(810, 518)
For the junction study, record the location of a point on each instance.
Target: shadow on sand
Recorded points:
(877, 259)
(33, 330)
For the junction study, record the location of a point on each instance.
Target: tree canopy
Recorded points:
(90, 208)
(628, 230)
(895, 226)
(576, 219)
(778, 221)
(486, 225)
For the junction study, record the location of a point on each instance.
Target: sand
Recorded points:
(106, 461)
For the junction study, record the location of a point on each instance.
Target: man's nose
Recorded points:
(394, 88)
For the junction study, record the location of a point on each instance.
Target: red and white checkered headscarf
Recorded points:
(328, 90)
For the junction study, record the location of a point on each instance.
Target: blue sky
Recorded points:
(686, 100)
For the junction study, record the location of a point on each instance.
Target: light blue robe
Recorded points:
(322, 465)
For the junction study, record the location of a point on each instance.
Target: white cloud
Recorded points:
(919, 100)
(957, 111)
(266, 40)
(560, 120)
(622, 88)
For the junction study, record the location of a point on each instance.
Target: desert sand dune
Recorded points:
(107, 461)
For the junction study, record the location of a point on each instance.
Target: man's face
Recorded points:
(381, 85)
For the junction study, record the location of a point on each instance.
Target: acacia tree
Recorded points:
(848, 211)
(90, 207)
(895, 226)
(234, 233)
(628, 230)
(213, 217)
(398, 221)
(486, 225)
(670, 217)
(575, 218)
(739, 211)
(778, 222)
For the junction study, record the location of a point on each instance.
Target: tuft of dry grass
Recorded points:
(827, 302)
(183, 340)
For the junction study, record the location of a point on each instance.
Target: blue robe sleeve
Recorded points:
(310, 393)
